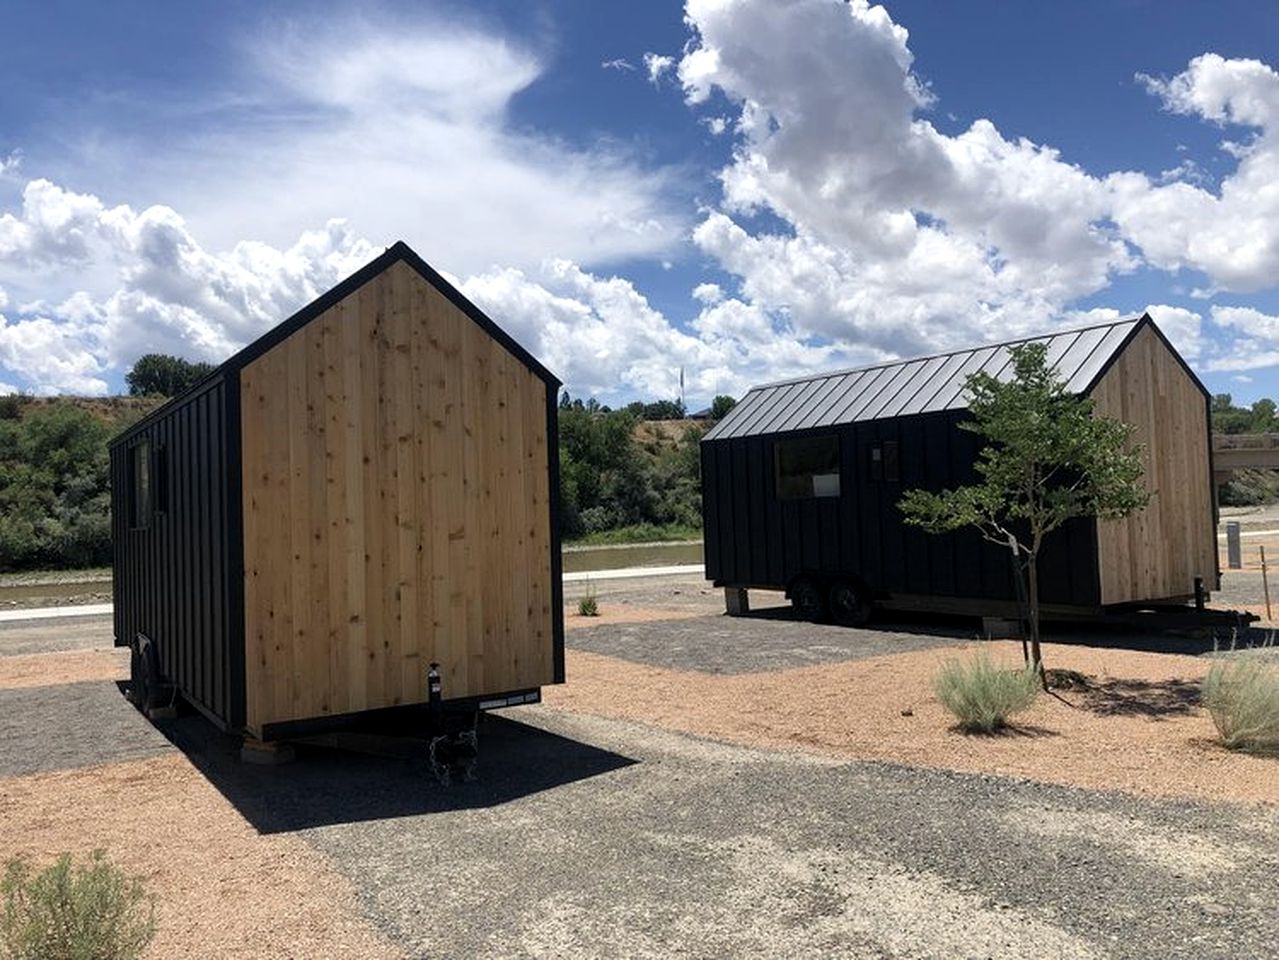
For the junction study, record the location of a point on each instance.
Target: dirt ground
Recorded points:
(702, 786)
(1139, 728)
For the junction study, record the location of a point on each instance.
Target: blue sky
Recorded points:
(747, 189)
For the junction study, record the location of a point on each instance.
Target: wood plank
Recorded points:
(1158, 552)
(397, 509)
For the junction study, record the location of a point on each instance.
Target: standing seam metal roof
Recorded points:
(920, 385)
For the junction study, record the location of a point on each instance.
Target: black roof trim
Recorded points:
(1144, 321)
(397, 252)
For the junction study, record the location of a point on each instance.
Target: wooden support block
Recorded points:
(736, 603)
(1000, 628)
(269, 754)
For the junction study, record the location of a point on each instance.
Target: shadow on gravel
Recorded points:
(1142, 698)
(354, 778)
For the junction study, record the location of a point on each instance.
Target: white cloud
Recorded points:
(658, 65)
(708, 293)
(54, 357)
(718, 126)
(1184, 328)
(619, 64)
(1256, 339)
(169, 294)
(401, 127)
(904, 238)
(7, 388)
(1241, 378)
(1233, 234)
(10, 163)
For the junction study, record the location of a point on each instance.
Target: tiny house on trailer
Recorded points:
(368, 489)
(801, 480)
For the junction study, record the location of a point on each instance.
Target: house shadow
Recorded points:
(886, 621)
(349, 778)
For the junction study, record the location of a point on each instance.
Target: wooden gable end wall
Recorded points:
(396, 510)
(1158, 552)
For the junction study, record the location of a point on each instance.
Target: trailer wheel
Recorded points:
(808, 600)
(849, 605)
(144, 676)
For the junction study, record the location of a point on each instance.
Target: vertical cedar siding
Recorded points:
(1158, 552)
(397, 464)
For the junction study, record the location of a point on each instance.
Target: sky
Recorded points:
(735, 190)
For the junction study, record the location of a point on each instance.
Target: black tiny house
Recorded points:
(800, 484)
(369, 488)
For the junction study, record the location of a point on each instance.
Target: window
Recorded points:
(885, 462)
(807, 467)
(140, 484)
(161, 479)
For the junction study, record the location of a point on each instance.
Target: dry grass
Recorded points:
(52, 669)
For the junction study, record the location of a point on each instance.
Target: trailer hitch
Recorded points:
(450, 751)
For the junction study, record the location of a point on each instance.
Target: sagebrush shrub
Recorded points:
(587, 606)
(91, 911)
(981, 695)
(1242, 696)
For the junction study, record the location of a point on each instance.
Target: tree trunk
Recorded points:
(1032, 618)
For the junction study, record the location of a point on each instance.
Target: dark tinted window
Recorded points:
(807, 467)
(140, 484)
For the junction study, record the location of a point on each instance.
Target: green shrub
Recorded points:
(1243, 698)
(982, 696)
(586, 606)
(93, 911)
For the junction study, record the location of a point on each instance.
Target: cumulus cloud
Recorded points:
(1255, 339)
(1232, 234)
(170, 294)
(902, 238)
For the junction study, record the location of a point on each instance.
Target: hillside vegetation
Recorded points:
(625, 478)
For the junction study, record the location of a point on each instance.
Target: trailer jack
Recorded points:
(449, 751)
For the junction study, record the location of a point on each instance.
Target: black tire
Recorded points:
(144, 680)
(849, 605)
(808, 600)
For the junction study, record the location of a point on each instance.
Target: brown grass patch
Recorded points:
(1138, 728)
(223, 890)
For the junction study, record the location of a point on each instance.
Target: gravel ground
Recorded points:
(733, 645)
(71, 725)
(699, 849)
(54, 636)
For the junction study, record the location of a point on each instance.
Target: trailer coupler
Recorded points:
(453, 751)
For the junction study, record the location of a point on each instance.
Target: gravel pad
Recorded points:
(755, 644)
(55, 636)
(708, 850)
(70, 726)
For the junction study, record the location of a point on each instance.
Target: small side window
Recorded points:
(885, 462)
(807, 467)
(140, 485)
(161, 479)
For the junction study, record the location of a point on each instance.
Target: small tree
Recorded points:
(721, 406)
(159, 373)
(1047, 458)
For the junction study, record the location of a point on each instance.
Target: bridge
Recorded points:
(1237, 451)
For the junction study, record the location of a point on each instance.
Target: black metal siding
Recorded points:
(754, 539)
(174, 576)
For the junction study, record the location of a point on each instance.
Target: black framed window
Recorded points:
(161, 479)
(807, 467)
(140, 487)
(885, 462)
